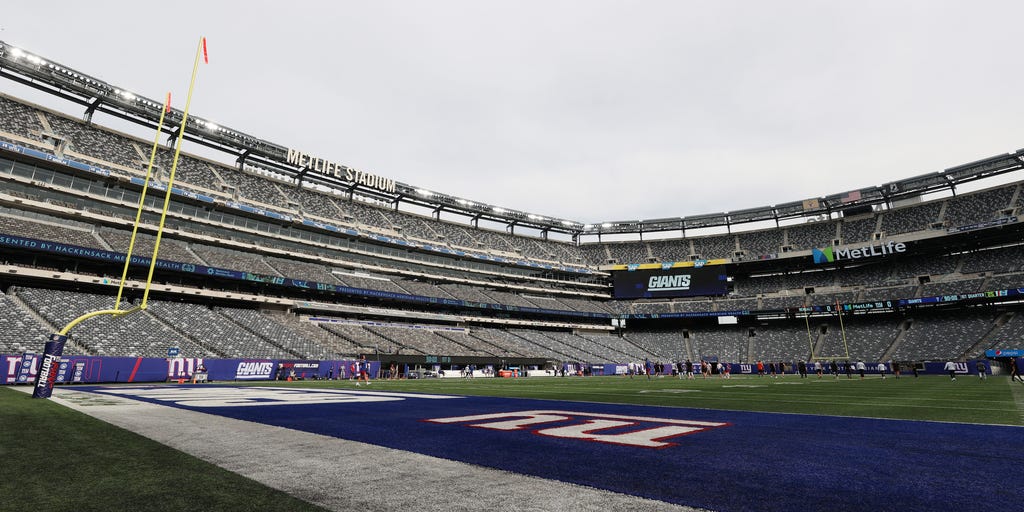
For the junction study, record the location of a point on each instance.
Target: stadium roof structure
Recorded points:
(97, 95)
(854, 201)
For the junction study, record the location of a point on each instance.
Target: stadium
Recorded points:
(284, 268)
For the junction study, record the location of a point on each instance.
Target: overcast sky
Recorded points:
(585, 110)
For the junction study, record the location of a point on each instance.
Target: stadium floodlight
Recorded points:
(424, 192)
(212, 126)
(17, 52)
(606, 225)
(497, 209)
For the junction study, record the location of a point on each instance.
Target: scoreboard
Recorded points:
(677, 282)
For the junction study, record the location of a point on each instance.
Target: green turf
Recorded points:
(934, 398)
(54, 458)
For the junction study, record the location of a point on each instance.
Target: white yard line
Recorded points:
(1017, 390)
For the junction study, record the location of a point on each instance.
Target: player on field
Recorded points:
(951, 368)
(980, 366)
(364, 370)
(1015, 370)
(881, 369)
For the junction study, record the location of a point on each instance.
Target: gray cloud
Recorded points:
(585, 110)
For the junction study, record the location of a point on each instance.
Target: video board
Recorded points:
(677, 282)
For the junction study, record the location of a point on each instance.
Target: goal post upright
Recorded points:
(142, 203)
(200, 51)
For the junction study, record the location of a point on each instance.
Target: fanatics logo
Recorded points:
(639, 431)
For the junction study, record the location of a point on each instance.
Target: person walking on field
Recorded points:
(980, 366)
(951, 368)
(1015, 371)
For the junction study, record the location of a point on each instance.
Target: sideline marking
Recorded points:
(1018, 398)
(670, 391)
(216, 396)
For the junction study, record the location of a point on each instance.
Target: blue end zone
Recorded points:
(720, 460)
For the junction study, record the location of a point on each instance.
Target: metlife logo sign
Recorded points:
(682, 282)
(832, 254)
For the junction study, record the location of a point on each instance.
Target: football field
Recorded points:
(593, 443)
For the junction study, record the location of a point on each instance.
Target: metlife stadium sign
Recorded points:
(680, 282)
(324, 166)
(831, 255)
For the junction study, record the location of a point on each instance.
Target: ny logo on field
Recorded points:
(639, 431)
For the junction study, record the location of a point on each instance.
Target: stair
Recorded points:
(904, 327)
(978, 348)
(12, 294)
